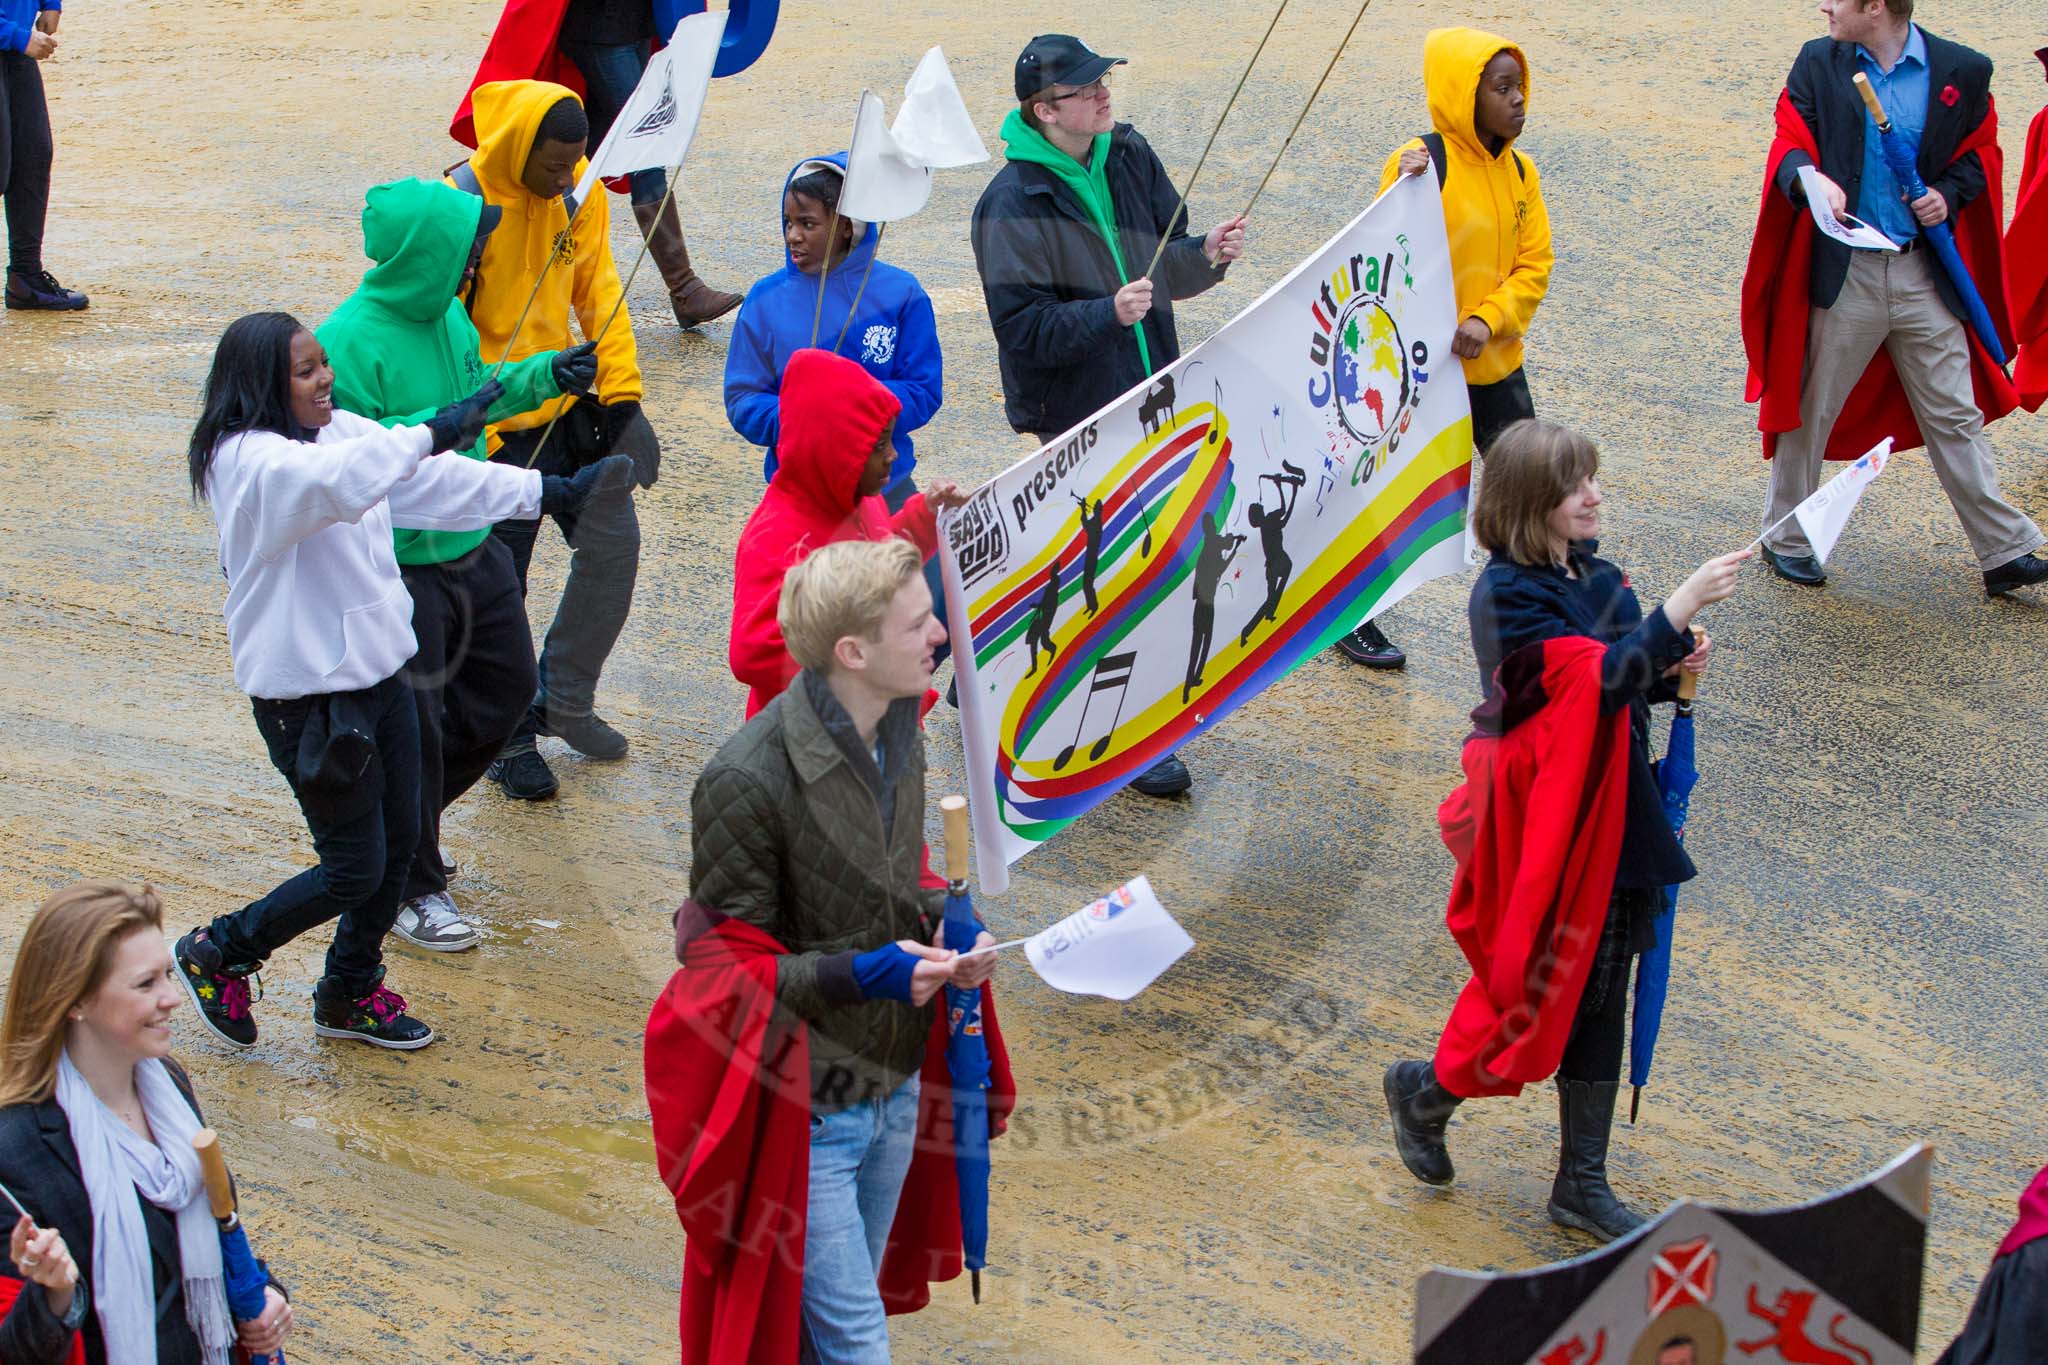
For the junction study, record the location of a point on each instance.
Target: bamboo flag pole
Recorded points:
(1306, 107)
(1201, 161)
(825, 271)
(617, 304)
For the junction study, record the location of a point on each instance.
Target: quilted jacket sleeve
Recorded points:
(736, 868)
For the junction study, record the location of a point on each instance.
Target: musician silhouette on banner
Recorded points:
(1091, 529)
(1211, 560)
(1271, 524)
(1039, 631)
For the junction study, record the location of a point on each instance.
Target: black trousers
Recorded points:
(26, 151)
(363, 861)
(1499, 405)
(1600, 1028)
(472, 681)
(604, 563)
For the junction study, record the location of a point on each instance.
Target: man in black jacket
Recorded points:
(1936, 92)
(1062, 239)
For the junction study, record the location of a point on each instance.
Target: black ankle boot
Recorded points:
(1420, 1109)
(1580, 1198)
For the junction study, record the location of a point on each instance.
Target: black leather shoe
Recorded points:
(1168, 777)
(522, 774)
(588, 735)
(1420, 1109)
(1804, 570)
(40, 290)
(1370, 646)
(2023, 572)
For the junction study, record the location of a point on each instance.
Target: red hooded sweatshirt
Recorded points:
(833, 413)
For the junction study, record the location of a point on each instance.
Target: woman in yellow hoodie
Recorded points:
(1478, 86)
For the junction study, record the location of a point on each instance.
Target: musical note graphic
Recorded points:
(1112, 671)
(1216, 419)
(1145, 547)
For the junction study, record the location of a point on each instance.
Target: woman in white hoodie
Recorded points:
(320, 625)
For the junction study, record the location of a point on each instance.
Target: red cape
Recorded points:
(522, 48)
(10, 1290)
(2033, 1220)
(2026, 250)
(1536, 829)
(1776, 302)
(728, 1089)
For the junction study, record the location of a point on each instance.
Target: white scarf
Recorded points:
(120, 1170)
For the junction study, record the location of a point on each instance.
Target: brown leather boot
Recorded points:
(694, 301)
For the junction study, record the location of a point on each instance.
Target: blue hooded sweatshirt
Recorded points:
(18, 20)
(894, 338)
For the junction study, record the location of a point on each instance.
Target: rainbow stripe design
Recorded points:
(1154, 499)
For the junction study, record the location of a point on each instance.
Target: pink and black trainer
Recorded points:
(378, 1018)
(220, 992)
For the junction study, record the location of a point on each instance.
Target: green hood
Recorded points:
(419, 233)
(403, 346)
(1089, 184)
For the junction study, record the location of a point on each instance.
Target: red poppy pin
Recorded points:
(1949, 95)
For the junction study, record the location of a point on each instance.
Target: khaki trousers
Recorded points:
(1891, 301)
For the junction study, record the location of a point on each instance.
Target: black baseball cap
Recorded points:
(1058, 59)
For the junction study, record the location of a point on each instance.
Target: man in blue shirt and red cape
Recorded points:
(1848, 346)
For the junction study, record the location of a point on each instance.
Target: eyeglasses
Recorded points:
(1093, 90)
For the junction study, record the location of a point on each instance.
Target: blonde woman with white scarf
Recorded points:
(117, 1259)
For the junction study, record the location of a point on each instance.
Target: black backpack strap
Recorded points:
(464, 177)
(1521, 166)
(1433, 143)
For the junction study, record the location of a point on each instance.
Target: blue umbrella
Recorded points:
(966, 1054)
(244, 1276)
(1899, 155)
(1676, 776)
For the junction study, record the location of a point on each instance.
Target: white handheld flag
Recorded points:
(889, 168)
(1823, 515)
(1115, 947)
(659, 121)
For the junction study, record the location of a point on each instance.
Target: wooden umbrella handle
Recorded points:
(220, 1191)
(954, 808)
(1688, 685)
(1870, 101)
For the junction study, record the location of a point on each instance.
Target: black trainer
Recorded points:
(523, 774)
(1168, 777)
(39, 290)
(2023, 572)
(588, 735)
(1370, 646)
(378, 1018)
(222, 994)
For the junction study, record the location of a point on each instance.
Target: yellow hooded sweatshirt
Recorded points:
(507, 115)
(1493, 205)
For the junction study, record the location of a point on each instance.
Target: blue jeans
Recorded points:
(610, 71)
(894, 496)
(859, 1157)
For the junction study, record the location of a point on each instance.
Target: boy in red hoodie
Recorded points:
(833, 452)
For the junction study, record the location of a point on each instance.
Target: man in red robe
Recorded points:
(1846, 346)
(2026, 251)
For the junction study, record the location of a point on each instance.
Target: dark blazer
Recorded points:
(1049, 280)
(1822, 92)
(39, 1163)
(1515, 604)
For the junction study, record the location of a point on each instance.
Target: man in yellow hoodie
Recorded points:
(1478, 87)
(531, 138)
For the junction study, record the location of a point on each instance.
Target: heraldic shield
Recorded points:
(1833, 1282)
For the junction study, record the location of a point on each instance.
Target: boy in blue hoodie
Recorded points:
(892, 333)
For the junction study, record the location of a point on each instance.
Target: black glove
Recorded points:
(628, 432)
(576, 368)
(457, 426)
(559, 495)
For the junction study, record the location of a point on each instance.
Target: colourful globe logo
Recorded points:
(1369, 371)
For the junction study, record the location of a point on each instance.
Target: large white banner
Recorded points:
(1132, 583)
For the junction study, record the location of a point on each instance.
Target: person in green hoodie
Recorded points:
(402, 347)
(1062, 240)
